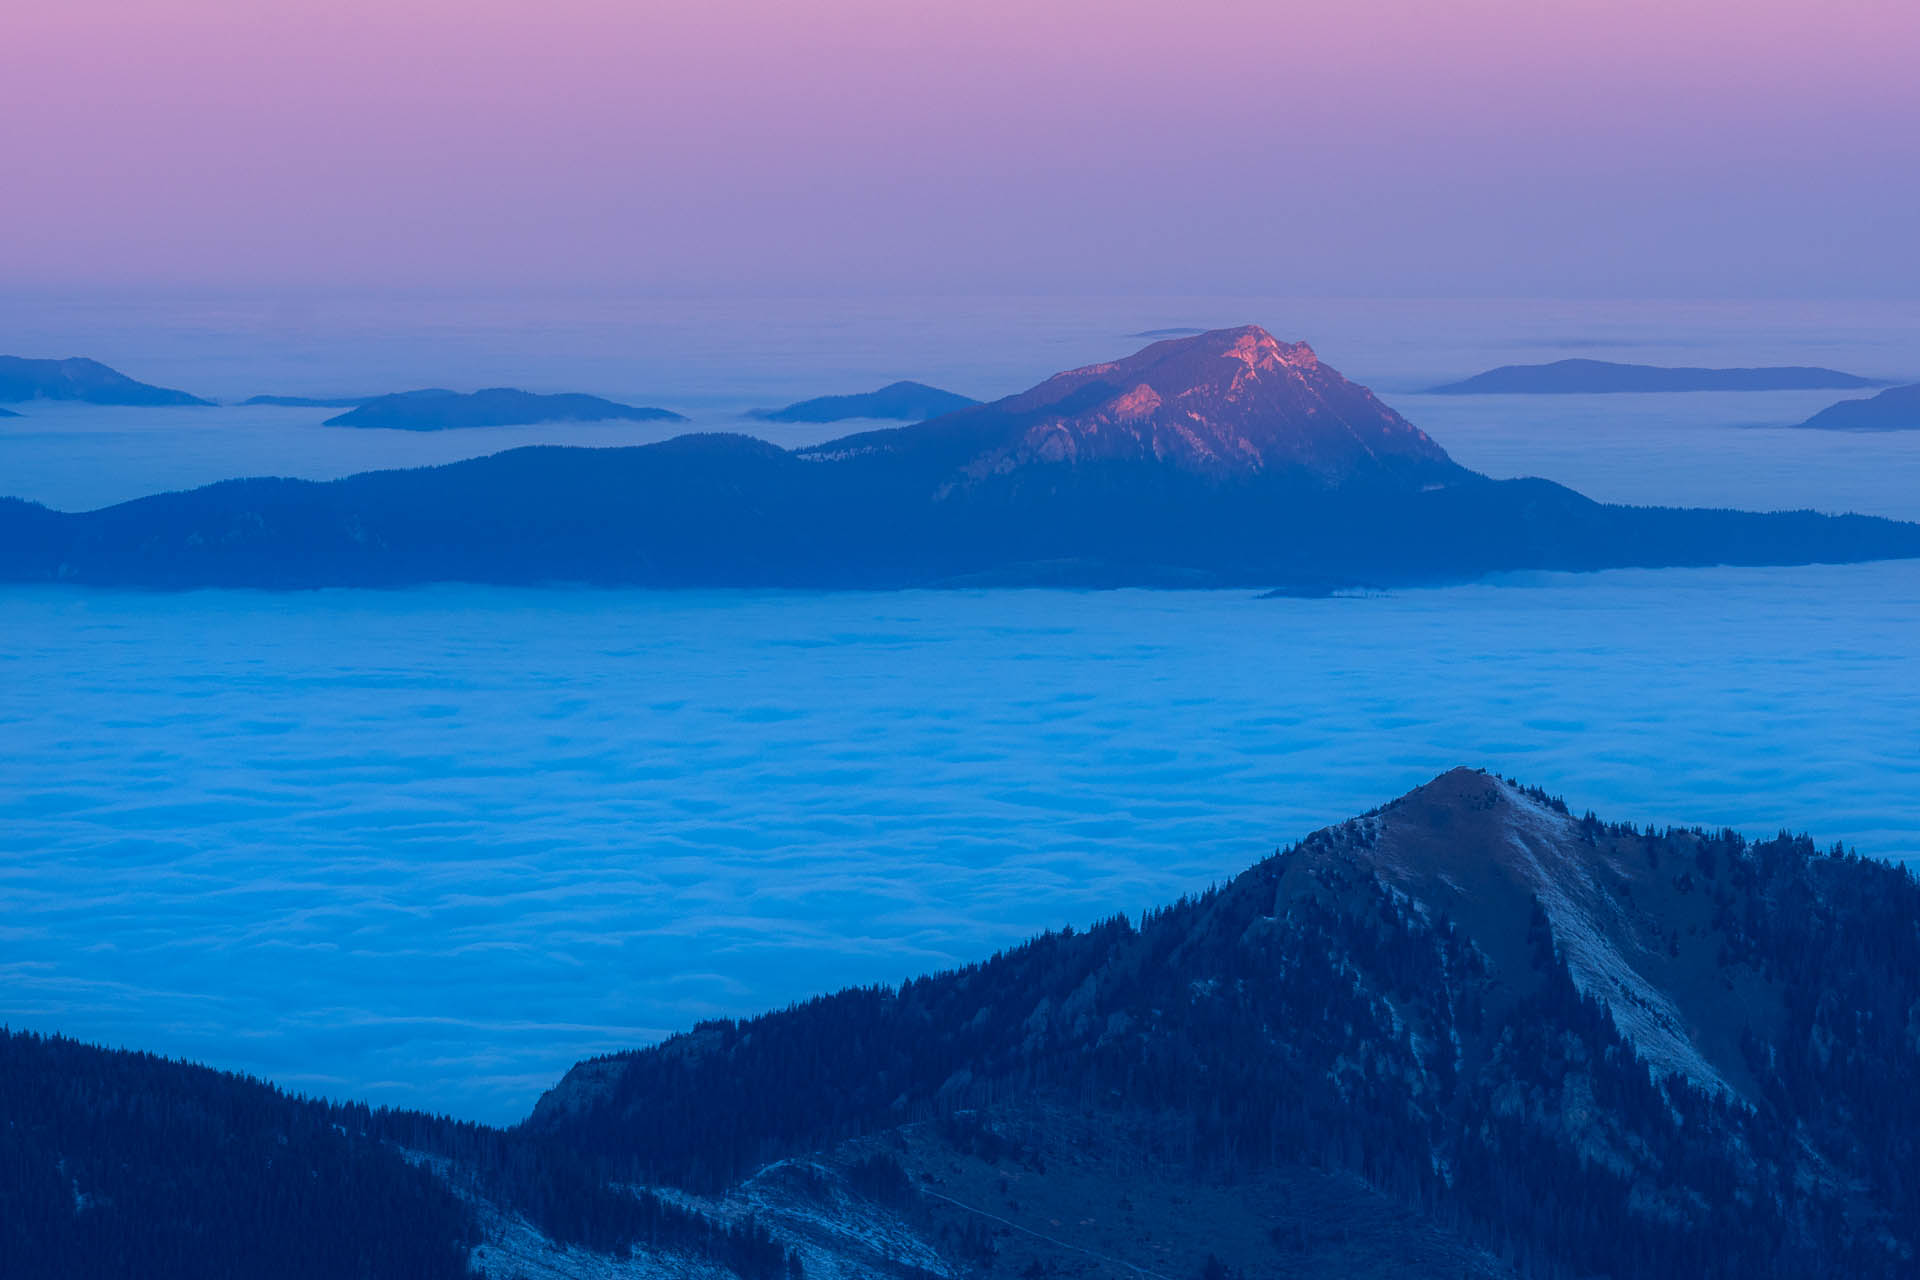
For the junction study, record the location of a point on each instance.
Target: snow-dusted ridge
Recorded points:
(1599, 943)
(1500, 846)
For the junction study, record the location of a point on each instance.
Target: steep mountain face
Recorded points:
(1225, 459)
(1224, 403)
(1467, 1034)
(1567, 1048)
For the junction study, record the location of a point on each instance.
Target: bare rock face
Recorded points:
(1226, 404)
(1466, 1034)
(1475, 1003)
(1631, 929)
(1226, 400)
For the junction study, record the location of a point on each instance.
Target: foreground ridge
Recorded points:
(1465, 1034)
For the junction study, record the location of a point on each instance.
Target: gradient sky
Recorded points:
(1710, 148)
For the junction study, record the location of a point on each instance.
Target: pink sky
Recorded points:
(1690, 147)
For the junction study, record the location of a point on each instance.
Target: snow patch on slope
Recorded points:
(514, 1249)
(807, 1206)
(837, 1234)
(1593, 935)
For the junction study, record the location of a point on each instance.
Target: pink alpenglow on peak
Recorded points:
(1226, 401)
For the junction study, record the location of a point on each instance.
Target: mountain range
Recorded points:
(80, 379)
(1228, 458)
(1466, 1034)
(1568, 377)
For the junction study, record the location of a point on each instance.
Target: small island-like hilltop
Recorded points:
(1895, 409)
(437, 409)
(897, 401)
(1589, 377)
(80, 379)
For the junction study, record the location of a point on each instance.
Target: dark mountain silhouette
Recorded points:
(1225, 459)
(1587, 376)
(115, 1164)
(1224, 405)
(1584, 1049)
(1467, 1034)
(1895, 409)
(311, 402)
(436, 409)
(906, 401)
(80, 379)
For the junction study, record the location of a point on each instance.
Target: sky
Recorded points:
(1555, 148)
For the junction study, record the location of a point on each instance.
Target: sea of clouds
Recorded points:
(715, 360)
(430, 847)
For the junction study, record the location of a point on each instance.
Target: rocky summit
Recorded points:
(1222, 402)
(1510, 1040)
(1224, 459)
(1467, 1034)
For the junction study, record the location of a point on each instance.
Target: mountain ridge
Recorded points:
(1495, 1001)
(1464, 1034)
(1223, 460)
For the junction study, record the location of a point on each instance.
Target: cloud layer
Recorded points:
(432, 847)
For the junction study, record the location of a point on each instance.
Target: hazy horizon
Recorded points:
(1693, 149)
(1180, 804)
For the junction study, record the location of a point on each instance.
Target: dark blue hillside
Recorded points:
(1224, 460)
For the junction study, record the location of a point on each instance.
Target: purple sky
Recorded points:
(1546, 147)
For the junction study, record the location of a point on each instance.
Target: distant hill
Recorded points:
(905, 401)
(1468, 1034)
(1567, 377)
(311, 402)
(1895, 409)
(440, 410)
(87, 381)
(1228, 459)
